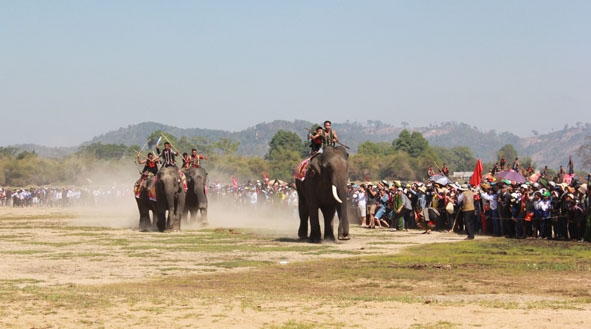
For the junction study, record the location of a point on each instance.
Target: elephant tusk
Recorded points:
(335, 195)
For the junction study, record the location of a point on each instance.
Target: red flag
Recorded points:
(266, 178)
(477, 175)
(366, 178)
(234, 182)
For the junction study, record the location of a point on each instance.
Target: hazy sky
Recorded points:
(72, 70)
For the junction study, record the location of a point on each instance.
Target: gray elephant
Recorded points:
(145, 203)
(324, 187)
(170, 199)
(196, 199)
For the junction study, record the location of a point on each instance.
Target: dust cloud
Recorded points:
(113, 205)
(270, 219)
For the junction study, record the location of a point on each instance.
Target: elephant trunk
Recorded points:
(335, 194)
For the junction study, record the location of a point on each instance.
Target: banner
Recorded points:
(234, 182)
(477, 174)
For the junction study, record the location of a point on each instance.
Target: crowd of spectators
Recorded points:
(62, 196)
(254, 194)
(541, 209)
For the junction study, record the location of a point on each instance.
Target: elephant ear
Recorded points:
(314, 167)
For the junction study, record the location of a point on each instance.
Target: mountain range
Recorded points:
(551, 149)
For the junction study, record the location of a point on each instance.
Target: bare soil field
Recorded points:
(92, 268)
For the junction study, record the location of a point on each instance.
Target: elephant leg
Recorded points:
(343, 224)
(154, 220)
(175, 222)
(143, 213)
(304, 214)
(161, 220)
(315, 234)
(328, 214)
(204, 221)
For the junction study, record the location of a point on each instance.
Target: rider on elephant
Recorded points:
(316, 140)
(151, 164)
(186, 161)
(330, 137)
(167, 155)
(150, 170)
(195, 158)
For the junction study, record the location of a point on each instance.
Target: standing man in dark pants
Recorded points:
(466, 201)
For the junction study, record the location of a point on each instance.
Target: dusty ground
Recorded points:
(95, 247)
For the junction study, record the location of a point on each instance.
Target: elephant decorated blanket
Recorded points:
(301, 169)
(152, 186)
(183, 180)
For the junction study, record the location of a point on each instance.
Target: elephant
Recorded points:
(324, 187)
(145, 204)
(196, 199)
(170, 199)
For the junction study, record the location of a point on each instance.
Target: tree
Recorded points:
(459, 158)
(284, 141)
(418, 144)
(509, 152)
(226, 145)
(103, 151)
(7, 151)
(286, 150)
(403, 142)
(374, 149)
(414, 144)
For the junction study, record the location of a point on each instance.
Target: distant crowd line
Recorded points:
(61, 197)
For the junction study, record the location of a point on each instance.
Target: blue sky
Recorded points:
(72, 70)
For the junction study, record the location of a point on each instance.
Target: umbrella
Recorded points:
(440, 179)
(511, 175)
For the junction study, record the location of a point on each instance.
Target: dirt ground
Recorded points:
(36, 256)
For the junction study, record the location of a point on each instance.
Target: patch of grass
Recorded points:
(235, 263)
(294, 324)
(70, 255)
(437, 325)
(25, 252)
(54, 244)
